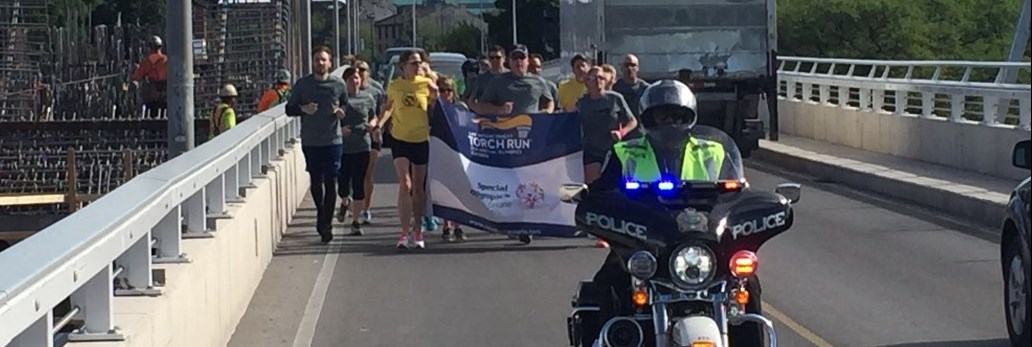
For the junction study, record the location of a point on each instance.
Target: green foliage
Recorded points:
(464, 38)
(536, 20)
(900, 30)
(148, 13)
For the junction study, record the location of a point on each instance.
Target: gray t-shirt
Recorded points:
(527, 93)
(482, 81)
(631, 93)
(321, 128)
(361, 107)
(376, 90)
(554, 91)
(599, 117)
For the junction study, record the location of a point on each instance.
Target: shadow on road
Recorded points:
(969, 343)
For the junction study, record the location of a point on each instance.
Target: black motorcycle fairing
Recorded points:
(752, 219)
(640, 223)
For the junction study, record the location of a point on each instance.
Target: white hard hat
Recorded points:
(228, 90)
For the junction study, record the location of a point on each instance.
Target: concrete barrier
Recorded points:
(968, 146)
(204, 300)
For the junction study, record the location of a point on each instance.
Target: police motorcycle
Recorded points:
(684, 227)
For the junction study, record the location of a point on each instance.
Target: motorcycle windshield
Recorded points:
(714, 156)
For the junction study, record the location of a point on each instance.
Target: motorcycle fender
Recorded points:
(696, 329)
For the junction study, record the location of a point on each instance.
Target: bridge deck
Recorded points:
(856, 270)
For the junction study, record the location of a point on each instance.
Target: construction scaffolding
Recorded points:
(68, 89)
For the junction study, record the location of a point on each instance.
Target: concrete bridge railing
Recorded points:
(171, 257)
(959, 114)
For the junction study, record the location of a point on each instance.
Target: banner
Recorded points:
(502, 173)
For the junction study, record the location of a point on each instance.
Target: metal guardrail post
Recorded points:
(136, 279)
(232, 187)
(215, 192)
(168, 235)
(41, 330)
(196, 218)
(95, 299)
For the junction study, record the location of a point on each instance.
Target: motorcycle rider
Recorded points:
(668, 115)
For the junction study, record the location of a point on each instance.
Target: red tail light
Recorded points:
(743, 264)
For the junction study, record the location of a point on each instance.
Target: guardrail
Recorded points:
(105, 249)
(900, 87)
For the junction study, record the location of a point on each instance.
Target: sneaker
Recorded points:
(367, 217)
(459, 234)
(417, 241)
(342, 212)
(356, 229)
(429, 224)
(403, 241)
(327, 236)
(446, 234)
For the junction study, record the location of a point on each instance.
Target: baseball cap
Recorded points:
(519, 50)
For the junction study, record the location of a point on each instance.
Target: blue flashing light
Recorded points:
(632, 185)
(665, 185)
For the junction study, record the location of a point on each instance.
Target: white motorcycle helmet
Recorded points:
(668, 102)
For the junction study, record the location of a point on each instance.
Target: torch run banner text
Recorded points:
(502, 173)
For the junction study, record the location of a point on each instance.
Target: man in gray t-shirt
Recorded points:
(630, 86)
(516, 91)
(536, 65)
(599, 118)
(496, 55)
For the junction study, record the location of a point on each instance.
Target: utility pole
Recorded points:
(180, 72)
(336, 31)
(306, 37)
(414, 23)
(514, 41)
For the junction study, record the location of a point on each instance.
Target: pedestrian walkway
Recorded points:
(976, 197)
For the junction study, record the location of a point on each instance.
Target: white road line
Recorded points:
(306, 331)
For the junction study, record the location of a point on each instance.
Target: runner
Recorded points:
(605, 119)
(573, 89)
(610, 72)
(408, 98)
(361, 109)
(318, 99)
(536, 64)
(630, 86)
(452, 231)
(376, 89)
(516, 91)
(496, 67)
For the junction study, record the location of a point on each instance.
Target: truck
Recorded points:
(724, 50)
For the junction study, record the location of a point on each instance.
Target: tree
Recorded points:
(464, 38)
(536, 20)
(892, 29)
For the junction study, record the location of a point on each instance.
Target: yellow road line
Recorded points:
(795, 326)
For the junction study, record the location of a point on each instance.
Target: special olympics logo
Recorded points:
(530, 194)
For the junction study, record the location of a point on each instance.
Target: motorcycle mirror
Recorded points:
(570, 192)
(791, 191)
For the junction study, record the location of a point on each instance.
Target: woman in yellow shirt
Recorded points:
(408, 99)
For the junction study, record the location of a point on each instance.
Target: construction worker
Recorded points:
(223, 117)
(153, 72)
(278, 94)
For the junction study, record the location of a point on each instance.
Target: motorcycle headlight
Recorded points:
(642, 265)
(693, 266)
